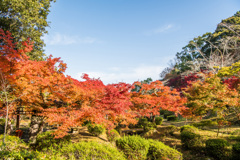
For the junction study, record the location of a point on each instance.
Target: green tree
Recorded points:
(26, 19)
(220, 48)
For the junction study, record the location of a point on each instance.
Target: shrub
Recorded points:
(158, 120)
(96, 129)
(90, 150)
(188, 127)
(158, 150)
(142, 122)
(134, 147)
(172, 118)
(146, 125)
(217, 148)
(149, 126)
(191, 140)
(46, 140)
(112, 135)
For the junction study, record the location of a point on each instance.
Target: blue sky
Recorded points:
(128, 40)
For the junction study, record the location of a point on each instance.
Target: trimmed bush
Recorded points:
(142, 122)
(217, 148)
(191, 140)
(89, 151)
(146, 125)
(149, 126)
(158, 150)
(189, 128)
(134, 147)
(96, 129)
(172, 118)
(46, 140)
(158, 120)
(112, 135)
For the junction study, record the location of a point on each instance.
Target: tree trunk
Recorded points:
(9, 127)
(36, 127)
(18, 120)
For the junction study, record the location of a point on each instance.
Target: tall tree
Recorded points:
(26, 19)
(211, 51)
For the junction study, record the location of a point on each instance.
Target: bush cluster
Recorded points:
(95, 129)
(217, 148)
(136, 147)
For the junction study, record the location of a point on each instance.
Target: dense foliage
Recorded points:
(217, 148)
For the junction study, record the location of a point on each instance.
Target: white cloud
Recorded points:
(128, 75)
(159, 30)
(61, 39)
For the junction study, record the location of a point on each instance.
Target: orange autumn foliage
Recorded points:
(43, 89)
(155, 96)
